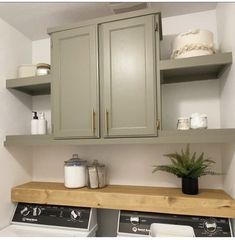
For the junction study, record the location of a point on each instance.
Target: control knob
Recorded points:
(75, 215)
(36, 211)
(134, 220)
(210, 225)
(25, 211)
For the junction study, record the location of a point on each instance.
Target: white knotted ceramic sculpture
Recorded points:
(193, 43)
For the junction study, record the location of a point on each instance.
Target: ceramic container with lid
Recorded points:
(26, 70)
(198, 121)
(75, 172)
(43, 69)
(183, 123)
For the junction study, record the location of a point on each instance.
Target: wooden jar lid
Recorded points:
(43, 65)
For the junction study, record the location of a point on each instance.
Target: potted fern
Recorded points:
(189, 168)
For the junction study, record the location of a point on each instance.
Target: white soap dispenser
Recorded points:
(34, 123)
(42, 123)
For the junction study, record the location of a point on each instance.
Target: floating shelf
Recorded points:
(194, 68)
(164, 137)
(208, 202)
(38, 85)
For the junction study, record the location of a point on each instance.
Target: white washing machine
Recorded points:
(144, 224)
(36, 220)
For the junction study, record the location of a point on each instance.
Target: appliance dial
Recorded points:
(75, 215)
(135, 220)
(36, 211)
(210, 225)
(25, 211)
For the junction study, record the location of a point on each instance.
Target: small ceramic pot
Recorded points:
(190, 186)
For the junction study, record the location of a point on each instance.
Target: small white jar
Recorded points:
(198, 121)
(43, 69)
(183, 123)
(75, 172)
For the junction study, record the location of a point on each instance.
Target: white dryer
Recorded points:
(145, 224)
(36, 220)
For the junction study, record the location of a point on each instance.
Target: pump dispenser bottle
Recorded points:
(42, 123)
(34, 123)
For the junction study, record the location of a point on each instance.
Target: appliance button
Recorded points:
(134, 220)
(210, 225)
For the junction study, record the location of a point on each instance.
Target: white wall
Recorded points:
(226, 39)
(183, 99)
(182, 23)
(16, 163)
(41, 51)
(127, 164)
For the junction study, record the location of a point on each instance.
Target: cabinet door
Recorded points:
(75, 83)
(128, 77)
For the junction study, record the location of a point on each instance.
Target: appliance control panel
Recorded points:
(139, 223)
(52, 215)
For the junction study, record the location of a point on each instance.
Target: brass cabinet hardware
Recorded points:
(93, 121)
(107, 120)
(158, 124)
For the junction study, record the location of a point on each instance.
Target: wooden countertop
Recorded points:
(208, 202)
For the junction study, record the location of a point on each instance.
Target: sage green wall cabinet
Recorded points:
(75, 90)
(128, 78)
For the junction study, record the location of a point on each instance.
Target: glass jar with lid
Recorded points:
(75, 172)
(183, 123)
(96, 175)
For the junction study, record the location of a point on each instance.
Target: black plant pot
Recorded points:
(190, 186)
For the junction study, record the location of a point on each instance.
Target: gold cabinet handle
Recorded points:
(158, 125)
(107, 120)
(93, 121)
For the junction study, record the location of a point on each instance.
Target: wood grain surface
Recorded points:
(208, 202)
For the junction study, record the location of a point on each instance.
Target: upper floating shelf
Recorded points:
(164, 137)
(38, 85)
(172, 71)
(194, 68)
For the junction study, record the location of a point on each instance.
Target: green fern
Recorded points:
(187, 165)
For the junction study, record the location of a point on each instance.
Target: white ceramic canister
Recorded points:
(198, 121)
(26, 70)
(75, 172)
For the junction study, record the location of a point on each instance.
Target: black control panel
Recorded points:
(140, 222)
(62, 216)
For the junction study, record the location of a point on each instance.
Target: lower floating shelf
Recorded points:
(208, 202)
